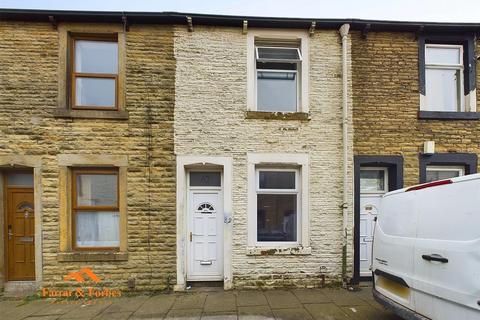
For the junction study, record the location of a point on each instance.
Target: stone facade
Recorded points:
(186, 95)
(386, 101)
(29, 55)
(211, 120)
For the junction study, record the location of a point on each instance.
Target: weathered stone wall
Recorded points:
(29, 56)
(210, 108)
(386, 101)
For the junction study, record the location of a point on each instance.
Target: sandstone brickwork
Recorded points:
(386, 101)
(29, 56)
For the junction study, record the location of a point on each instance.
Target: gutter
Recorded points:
(169, 17)
(344, 34)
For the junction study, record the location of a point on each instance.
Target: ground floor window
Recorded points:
(435, 173)
(95, 209)
(278, 209)
(440, 166)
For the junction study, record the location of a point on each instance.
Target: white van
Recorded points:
(426, 250)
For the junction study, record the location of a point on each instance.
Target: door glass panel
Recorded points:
(25, 206)
(372, 181)
(20, 179)
(205, 179)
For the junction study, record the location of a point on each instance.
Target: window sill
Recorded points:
(277, 115)
(444, 115)
(279, 251)
(91, 114)
(92, 256)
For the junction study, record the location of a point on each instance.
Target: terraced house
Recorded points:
(159, 149)
(415, 118)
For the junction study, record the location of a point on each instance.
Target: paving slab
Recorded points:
(54, 317)
(126, 304)
(255, 313)
(368, 313)
(87, 310)
(156, 306)
(220, 301)
(326, 311)
(251, 298)
(366, 295)
(342, 297)
(24, 310)
(58, 308)
(8, 305)
(317, 304)
(282, 299)
(190, 301)
(184, 314)
(311, 296)
(113, 315)
(292, 314)
(220, 316)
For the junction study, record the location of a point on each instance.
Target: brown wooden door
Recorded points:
(20, 234)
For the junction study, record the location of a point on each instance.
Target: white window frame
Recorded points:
(462, 99)
(296, 191)
(257, 57)
(460, 169)
(272, 162)
(302, 69)
(385, 180)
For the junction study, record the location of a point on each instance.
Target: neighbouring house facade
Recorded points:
(415, 118)
(159, 149)
(88, 180)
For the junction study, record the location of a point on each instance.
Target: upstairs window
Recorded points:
(447, 76)
(444, 78)
(94, 72)
(277, 75)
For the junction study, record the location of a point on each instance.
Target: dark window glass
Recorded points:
(276, 66)
(276, 217)
(278, 53)
(205, 179)
(277, 179)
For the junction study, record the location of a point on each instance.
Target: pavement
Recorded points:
(295, 304)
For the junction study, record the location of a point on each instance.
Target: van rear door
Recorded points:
(447, 251)
(393, 247)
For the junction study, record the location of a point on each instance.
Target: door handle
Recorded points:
(10, 232)
(434, 257)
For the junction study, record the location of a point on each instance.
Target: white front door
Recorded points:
(205, 235)
(373, 184)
